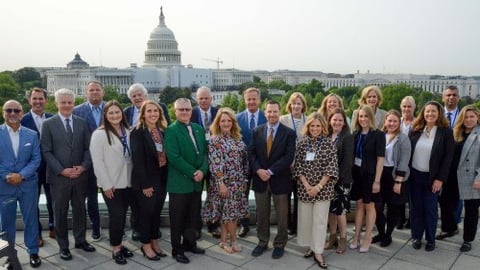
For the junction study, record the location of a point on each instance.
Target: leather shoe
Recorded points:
(35, 260)
(243, 231)
(466, 246)
(126, 252)
(215, 233)
(444, 235)
(65, 254)
(52, 234)
(119, 258)
(40, 241)
(277, 252)
(429, 247)
(196, 250)
(417, 244)
(377, 238)
(181, 258)
(258, 250)
(386, 241)
(85, 246)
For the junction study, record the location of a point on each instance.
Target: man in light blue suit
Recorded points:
(248, 120)
(91, 112)
(19, 161)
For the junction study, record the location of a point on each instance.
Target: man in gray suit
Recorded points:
(65, 147)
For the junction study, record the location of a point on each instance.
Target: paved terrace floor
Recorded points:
(400, 255)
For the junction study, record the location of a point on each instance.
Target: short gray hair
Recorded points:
(182, 100)
(63, 92)
(204, 89)
(137, 87)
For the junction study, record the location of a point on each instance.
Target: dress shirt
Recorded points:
(15, 138)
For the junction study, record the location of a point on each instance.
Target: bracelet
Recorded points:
(398, 182)
(319, 187)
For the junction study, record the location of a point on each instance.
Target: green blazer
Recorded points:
(183, 160)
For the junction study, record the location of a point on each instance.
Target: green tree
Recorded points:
(231, 101)
(169, 94)
(111, 92)
(27, 78)
(9, 89)
(393, 95)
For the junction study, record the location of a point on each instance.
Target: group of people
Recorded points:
(136, 156)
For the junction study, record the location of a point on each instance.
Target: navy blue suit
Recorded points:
(26, 164)
(85, 112)
(243, 120)
(29, 122)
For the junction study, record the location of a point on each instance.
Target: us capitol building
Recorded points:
(163, 67)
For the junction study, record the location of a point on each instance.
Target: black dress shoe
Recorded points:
(160, 254)
(278, 252)
(119, 258)
(35, 260)
(85, 246)
(196, 250)
(181, 258)
(429, 247)
(243, 232)
(65, 254)
(386, 241)
(153, 258)
(126, 252)
(417, 244)
(377, 238)
(258, 250)
(466, 246)
(444, 235)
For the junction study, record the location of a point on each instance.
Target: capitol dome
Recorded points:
(77, 63)
(162, 47)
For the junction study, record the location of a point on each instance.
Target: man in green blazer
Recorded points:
(186, 151)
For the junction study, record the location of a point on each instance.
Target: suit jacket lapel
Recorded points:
(8, 142)
(468, 144)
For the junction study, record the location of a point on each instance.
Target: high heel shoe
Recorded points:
(354, 244)
(226, 247)
(236, 247)
(366, 246)
(160, 254)
(153, 258)
(322, 264)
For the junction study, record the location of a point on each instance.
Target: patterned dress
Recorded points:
(228, 163)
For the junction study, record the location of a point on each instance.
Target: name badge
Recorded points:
(310, 156)
(159, 147)
(128, 160)
(207, 136)
(358, 162)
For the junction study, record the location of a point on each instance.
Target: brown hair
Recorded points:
(107, 126)
(399, 116)
(323, 108)
(340, 111)
(371, 118)
(419, 122)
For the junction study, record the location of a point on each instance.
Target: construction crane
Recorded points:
(218, 61)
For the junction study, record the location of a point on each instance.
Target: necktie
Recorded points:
(205, 122)
(96, 115)
(192, 136)
(252, 121)
(269, 141)
(69, 131)
(449, 118)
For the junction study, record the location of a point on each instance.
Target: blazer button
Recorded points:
(466, 170)
(467, 160)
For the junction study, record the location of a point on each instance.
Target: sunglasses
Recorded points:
(184, 109)
(12, 110)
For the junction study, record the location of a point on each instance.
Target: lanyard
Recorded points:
(336, 139)
(359, 148)
(317, 144)
(293, 121)
(124, 142)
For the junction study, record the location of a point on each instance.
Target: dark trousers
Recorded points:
(92, 201)
(471, 219)
(117, 212)
(149, 214)
(392, 218)
(263, 203)
(46, 188)
(134, 210)
(424, 212)
(245, 222)
(184, 210)
(71, 191)
(448, 206)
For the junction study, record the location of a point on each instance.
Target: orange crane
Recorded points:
(218, 61)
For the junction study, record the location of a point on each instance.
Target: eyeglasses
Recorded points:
(183, 109)
(12, 110)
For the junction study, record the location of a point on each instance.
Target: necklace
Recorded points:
(427, 132)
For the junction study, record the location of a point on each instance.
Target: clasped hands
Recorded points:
(73, 172)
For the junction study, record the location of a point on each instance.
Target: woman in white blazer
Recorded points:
(110, 151)
(467, 136)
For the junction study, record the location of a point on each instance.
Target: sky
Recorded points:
(333, 36)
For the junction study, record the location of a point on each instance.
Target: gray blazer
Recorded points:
(57, 152)
(469, 166)
(401, 156)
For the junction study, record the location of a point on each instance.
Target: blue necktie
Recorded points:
(252, 121)
(96, 115)
(449, 118)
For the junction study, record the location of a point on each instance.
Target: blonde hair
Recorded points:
(384, 128)
(371, 118)
(292, 99)
(312, 117)
(161, 122)
(363, 98)
(215, 127)
(323, 108)
(459, 127)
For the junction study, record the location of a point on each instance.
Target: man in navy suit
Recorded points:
(204, 114)
(37, 98)
(270, 155)
(19, 161)
(137, 93)
(248, 120)
(91, 111)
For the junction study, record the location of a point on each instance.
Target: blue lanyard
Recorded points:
(317, 144)
(336, 139)
(359, 148)
(293, 122)
(124, 142)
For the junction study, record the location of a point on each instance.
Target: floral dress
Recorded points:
(228, 163)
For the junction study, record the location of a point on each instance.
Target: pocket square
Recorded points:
(28, 144)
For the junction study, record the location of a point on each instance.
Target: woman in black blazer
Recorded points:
(149, 175)
(369, 156)
(432, 153)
